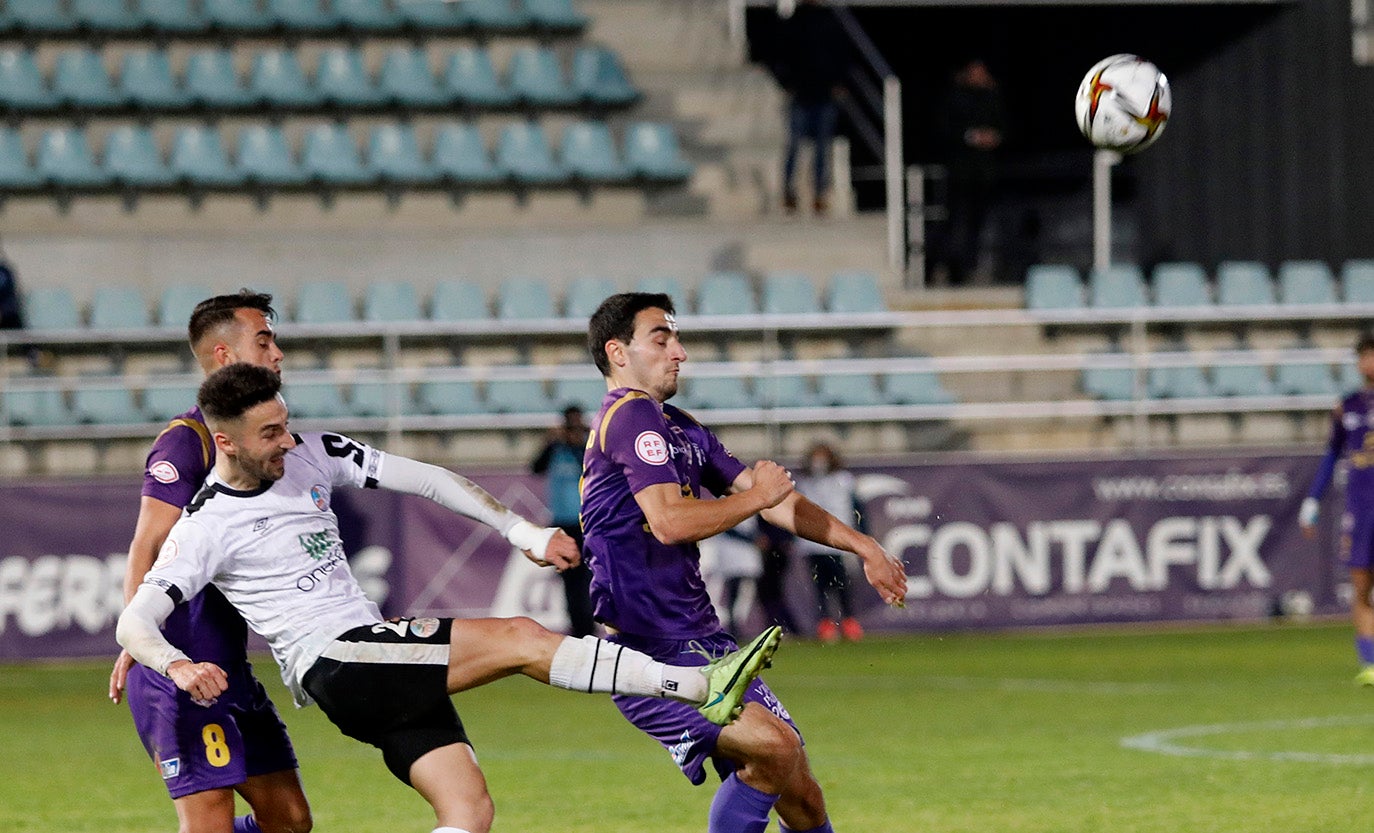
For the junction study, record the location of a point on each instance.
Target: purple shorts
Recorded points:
(689, 738)
(1357, 540)
(197, 748)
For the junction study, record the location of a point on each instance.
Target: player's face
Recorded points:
(1365, 363)
(254, 341)
(263, 441)
(654, 355)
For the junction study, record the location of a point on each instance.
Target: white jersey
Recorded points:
(276, 554)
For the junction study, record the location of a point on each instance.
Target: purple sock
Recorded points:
(246, 824)
(824, 828)
(739, 808)
(1364, 646)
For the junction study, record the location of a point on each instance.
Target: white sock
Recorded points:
(596, 666)
(449, 830)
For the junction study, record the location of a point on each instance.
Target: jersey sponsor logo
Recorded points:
(424, 627)
(168, 552)
(164, 472)
(321, 497)
(169, 768)
(316, 544)
(651, 448)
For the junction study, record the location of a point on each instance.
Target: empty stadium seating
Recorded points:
(1050, 287)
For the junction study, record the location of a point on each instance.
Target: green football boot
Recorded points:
(728, 678)
(1365, 677)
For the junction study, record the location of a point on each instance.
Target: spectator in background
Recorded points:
(735, 559)
(812, 65)
(561, 460)
(829, 485)
(972, 125)
(775, 550)
(11, 317)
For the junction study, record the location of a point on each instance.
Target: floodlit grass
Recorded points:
(1013, 733)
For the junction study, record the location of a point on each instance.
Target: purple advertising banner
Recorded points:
(987, 545)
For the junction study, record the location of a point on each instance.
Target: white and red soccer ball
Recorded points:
(1123, 103)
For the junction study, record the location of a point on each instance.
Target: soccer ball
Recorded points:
(1123, 103)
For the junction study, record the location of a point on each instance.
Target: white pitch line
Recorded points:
(1165, 742)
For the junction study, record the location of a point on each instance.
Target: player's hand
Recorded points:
(560, 554)
(885, 572)
(204, 681)
(773, 482)
(120, 676)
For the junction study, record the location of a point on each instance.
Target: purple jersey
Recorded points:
(641, 586)
(1351, 436)
(206, 628)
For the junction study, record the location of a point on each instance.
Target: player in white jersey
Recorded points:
(262, 531)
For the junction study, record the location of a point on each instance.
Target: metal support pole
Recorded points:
(915, 277)
(735, 27)
(1103, 162)
(894, 173)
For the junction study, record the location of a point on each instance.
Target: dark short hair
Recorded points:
(213, 312)
(1366, 342)
(615, 319)
(228, 393)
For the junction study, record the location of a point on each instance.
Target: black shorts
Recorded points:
(387, 685)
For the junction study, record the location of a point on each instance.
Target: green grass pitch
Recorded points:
(961, 733)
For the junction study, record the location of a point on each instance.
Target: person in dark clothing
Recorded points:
(11, 316)
(973, 126)
(775, 545)
(561, 460)
(812, 66)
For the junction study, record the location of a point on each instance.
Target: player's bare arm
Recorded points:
(675, 518)
(155, 520)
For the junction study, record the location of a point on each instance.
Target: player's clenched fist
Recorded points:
(885, 572)
(204, 681)
(561, 553)
(773, 482)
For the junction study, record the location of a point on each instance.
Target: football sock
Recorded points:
(1364, 646)
(596, 666)
(824, 828)
(739, 808)
(246, 824)
(449, 830)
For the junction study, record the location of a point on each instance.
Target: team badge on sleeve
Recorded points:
(320, 496)
(167, 553)
(651, 448)
(424, 627)
(164, 472)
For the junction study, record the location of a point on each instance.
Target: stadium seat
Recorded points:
(427, 16)
(784, 391)
(324, 302)
(118, 308)
(719, 393)
(584, 392)
(517, 396)
(36, 407)
(1349, 378)
(1306, 282)
(100, 17)
(555, 15)
(524, 298)
(40, 17)
(367, 16)
(652, 152)
(1357, 281)
(588, 153)
(177, 302)
(65, 160)
(1119, 285)
(536, 78)
(670, 286)
(145, 80)
(918, 387)
(470, 78)
(1181, 285)
(598, 79)
(172, 17)
(586, 294)
(16, 172)
(848, 390)
(51, 308)
(393, 155)
(22, 88)
(1241, 380)
(236, 16)
(1182, 382)
(726, 293)
(1244, 284)
(458, 300)
(789, 293)
(457, 398)
(79, 79)
(523, 154)
(1053, 286)
(460, 156)
(199, 158)
(342, 81)
(854, 292)
(212, 82)
(264, 159)
(493, 15)
(277, 80)
(1115, 384)
(104, 406)
(163, 401)
(1307, 379)
(299, 16)
(391, 301)
(314, 400)
(406, 80)
(373, 399)
(331, 156)
(132, 158)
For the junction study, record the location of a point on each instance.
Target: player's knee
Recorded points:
(526, 636)
(775, 752)
(291, 817)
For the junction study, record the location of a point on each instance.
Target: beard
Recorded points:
(268, 470)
